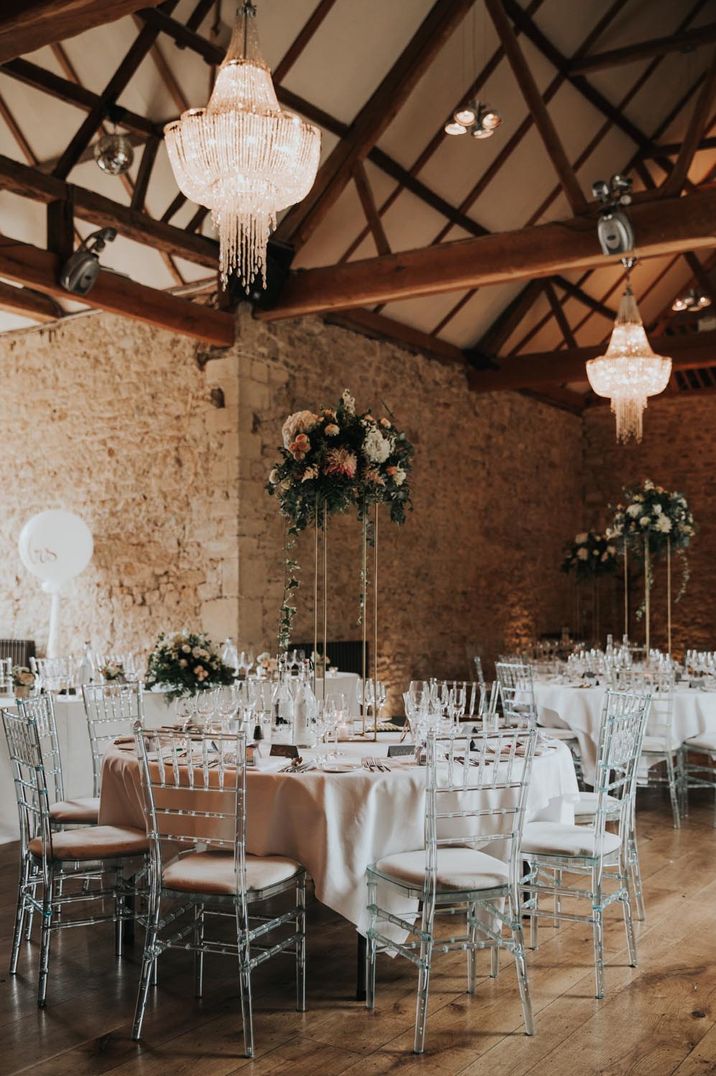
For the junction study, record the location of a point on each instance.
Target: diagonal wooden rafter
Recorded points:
(559, 315)
(29, 303)
(694, 132)
(118, 294)
(309, 28)
(27, 25)
(657, 46)
(367, 200)
(118, 82)
(372, 120)
(535, 104)
(662, 226)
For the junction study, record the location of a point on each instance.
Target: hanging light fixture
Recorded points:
(243, 156)
(475, 118)
(113, 153)
(692, 300)
(629, 372)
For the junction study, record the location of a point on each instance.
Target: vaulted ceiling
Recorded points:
(482, 253)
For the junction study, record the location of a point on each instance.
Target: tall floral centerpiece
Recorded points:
(653, 522)
(589, 557)
(336, 460)
(186, 663)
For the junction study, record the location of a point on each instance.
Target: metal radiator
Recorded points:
(346, 655)
(20, 650)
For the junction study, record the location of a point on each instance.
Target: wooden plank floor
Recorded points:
(659, 1018)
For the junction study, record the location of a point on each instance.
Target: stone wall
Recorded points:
(677, 452)
(115, 421)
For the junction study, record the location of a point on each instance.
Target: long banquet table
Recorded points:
(579, 708)
(336, 824)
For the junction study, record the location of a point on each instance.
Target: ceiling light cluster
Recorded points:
(475, 118)
(113, 153)
(691, 301)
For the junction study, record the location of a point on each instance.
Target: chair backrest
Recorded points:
(194, 787)
(476, 794)
(661, 714)
(517, 691)
(41, 711)
(623, 725)
(112, 710)
(478, 670)
(28, 769)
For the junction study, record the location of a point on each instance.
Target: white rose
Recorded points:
(663, 524)
(376, 448)
(634, 509)
(657, 509)
(644, 521)
(399, 476)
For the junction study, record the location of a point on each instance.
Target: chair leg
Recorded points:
(534, 911)
(557, 898)
(198, 950)
(494, 962)
(301, 945)
(31, 913)
(45, 937)
(371, 949)
(628, 924)
(518, 943)
(148, 962)
(598, 935)
(673, 791)
(19, 915)
(246, 1005)
(683, 783)
(472, 948)
(635, 872)
(118, 913)
(421, 1013)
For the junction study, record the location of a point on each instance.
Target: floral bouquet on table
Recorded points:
(186, 663)
(113, 672)
(590, 554)
(23, 681)
(266, 665)
(660, 516)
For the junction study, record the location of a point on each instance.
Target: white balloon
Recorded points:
(55, 546)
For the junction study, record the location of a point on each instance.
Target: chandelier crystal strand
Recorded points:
(243, 156)
(629, 372)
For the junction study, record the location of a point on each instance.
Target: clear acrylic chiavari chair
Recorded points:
(476, 789)
(194, 788)
(111, 710)
(7, 684)
(517, 692)
(598, 856)
(662, 748)
(79, 868)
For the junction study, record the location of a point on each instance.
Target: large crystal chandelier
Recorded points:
(243, 156)
(629, 372)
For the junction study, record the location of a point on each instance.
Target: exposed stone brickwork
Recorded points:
(677, 452)
(114, 420)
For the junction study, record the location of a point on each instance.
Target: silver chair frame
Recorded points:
(469, 768)
(218, 764)
(111, 710)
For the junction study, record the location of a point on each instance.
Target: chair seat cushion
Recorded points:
(458, 869)
(76, 812)
(93, 842)
(213, 872)
(586, 807)
(705, 741)
(656, 745)
(561, 839)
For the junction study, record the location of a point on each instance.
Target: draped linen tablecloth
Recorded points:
(580, 709)
(336, 824)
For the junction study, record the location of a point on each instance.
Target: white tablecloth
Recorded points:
(580, 708)
(336, 824)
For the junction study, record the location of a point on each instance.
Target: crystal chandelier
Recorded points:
(243, 156)
(629, 372)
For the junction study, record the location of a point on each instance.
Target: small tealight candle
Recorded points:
(344, 730)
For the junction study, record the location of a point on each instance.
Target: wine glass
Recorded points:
(205, 706)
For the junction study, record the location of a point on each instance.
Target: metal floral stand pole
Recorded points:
(647, 596)
(320, 561)
(325, 602)
(375, 625)
(668, 595)
(626, 592)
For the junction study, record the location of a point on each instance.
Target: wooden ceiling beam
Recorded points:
(93, 207)
(27, 25)
(29, 303)
(531, 371)
(144, 174)
(367, 201)
(559, 315)
(379, 327)
(71, 93)
(685, 41)
(117, 294)
(671, 149)
(372, 120)
(302, 39)
(695, 131)
(533, 99)
(662, 227)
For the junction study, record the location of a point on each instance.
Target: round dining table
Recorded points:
(579, 707)
(337, 823)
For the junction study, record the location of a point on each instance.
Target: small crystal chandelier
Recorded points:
(692, 300)
(113, 153)
(243, 156)
(475, 118)
(629, 372)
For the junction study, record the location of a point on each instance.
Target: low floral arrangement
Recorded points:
(23, 680)
(113, 672)
(590, 554)
(186, 663)
(267, 664)
(650, 511)
(650, 516)
(320, 660)
(334, 460)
